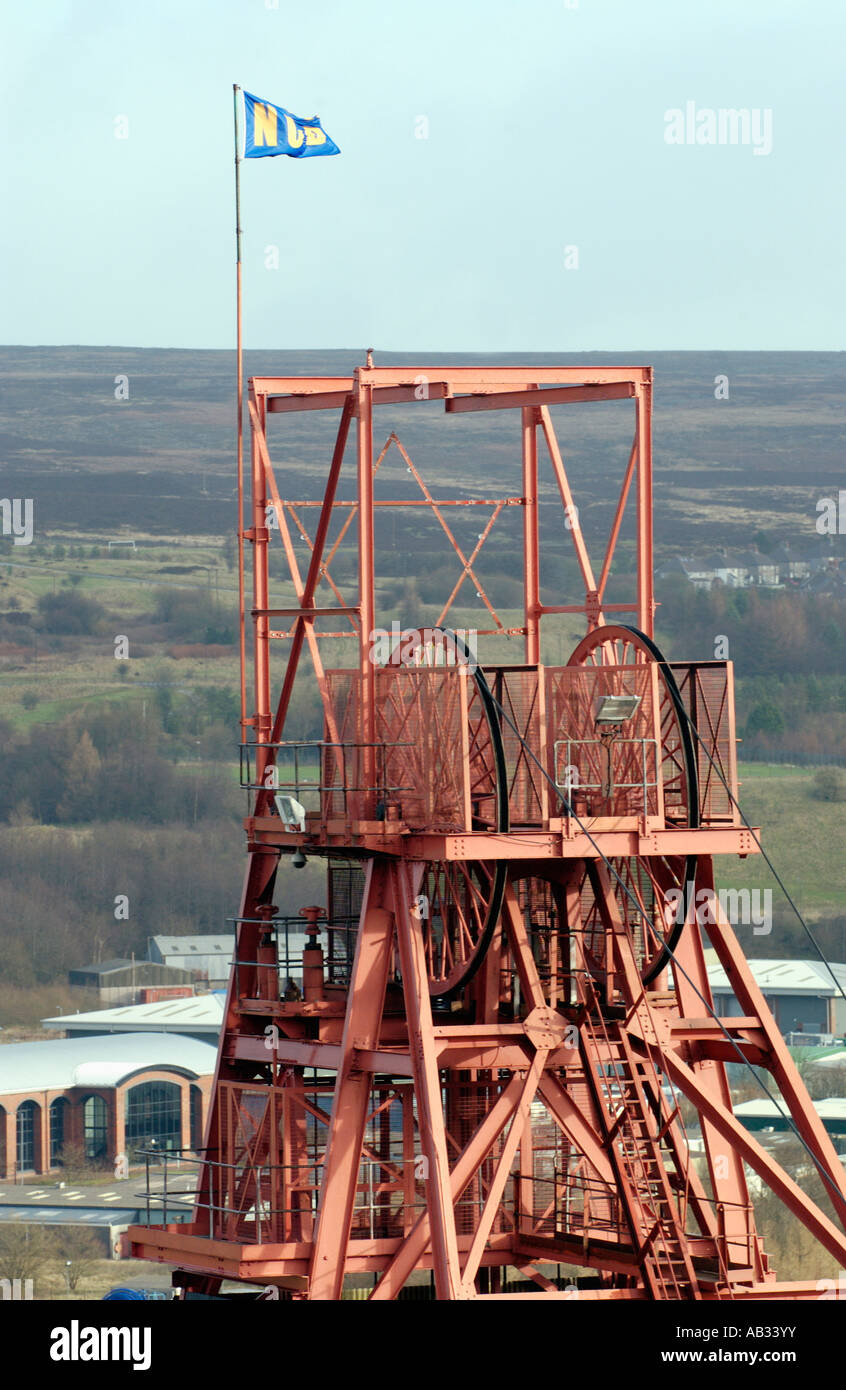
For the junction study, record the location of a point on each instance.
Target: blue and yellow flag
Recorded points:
(272, 130)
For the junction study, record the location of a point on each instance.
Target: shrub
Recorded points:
(69, 614)
(829, 785)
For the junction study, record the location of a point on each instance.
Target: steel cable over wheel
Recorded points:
(646, 887)
(461, 899)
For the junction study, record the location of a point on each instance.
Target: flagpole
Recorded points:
(240, 414)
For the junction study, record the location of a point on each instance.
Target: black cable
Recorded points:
(776, 875)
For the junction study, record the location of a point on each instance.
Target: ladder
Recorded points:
(622, 1083)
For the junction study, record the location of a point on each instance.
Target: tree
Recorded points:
(82, 781)
(68, 614)
(194, 618)
(25, 1250)
(80, 1250)
(764, 718)
(764, 542)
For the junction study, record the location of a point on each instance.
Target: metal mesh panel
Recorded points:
(345, 878)
(706, 693)
(420, 724)
(341, 726)
(518, 693)
(390, 1193)
(548, 936)
(467, 1104)
(573, 695)
(564, 1201)
(420, 718)
(272, 1144)
(346, 888)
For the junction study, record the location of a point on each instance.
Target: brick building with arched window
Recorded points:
(100, 1098)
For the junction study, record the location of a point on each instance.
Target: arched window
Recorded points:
(154, 1116)
(196, 1119)
(95, 1127)
(26, 1117)
(58, 1109)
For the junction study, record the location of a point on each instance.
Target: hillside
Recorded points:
(113, 765)
(162, 460)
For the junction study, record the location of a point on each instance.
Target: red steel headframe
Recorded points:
(526, 1056)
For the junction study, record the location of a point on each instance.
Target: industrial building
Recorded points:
(206, 959)
(120, 981)
(199, 1016)
(801, 993)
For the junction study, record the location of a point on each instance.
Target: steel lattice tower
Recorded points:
(475, 1060)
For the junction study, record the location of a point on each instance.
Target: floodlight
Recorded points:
(615, 709)
(291, 811)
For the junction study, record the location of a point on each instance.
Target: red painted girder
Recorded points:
(709, 1039)
(282, 1269)
(580, 608)
(457, 1052)
(262, 1264)
(302, 385)
(335, 400)
(301, 612)
(468, 378)
(382, 837)
(176, 1244)
(426, 502)
(303, 1008)
(307, 1053)
(599, 1251)
(551, 395)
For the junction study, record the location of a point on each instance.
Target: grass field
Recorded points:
(804, 837)
(86, 669)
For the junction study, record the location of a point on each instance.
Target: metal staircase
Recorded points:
(627, 1090)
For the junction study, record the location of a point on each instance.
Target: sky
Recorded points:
(511, 175)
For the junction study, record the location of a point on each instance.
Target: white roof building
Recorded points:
(198, 1017)
(786, 977)
(765, 1114)
(801, 993)
(62, 1063)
